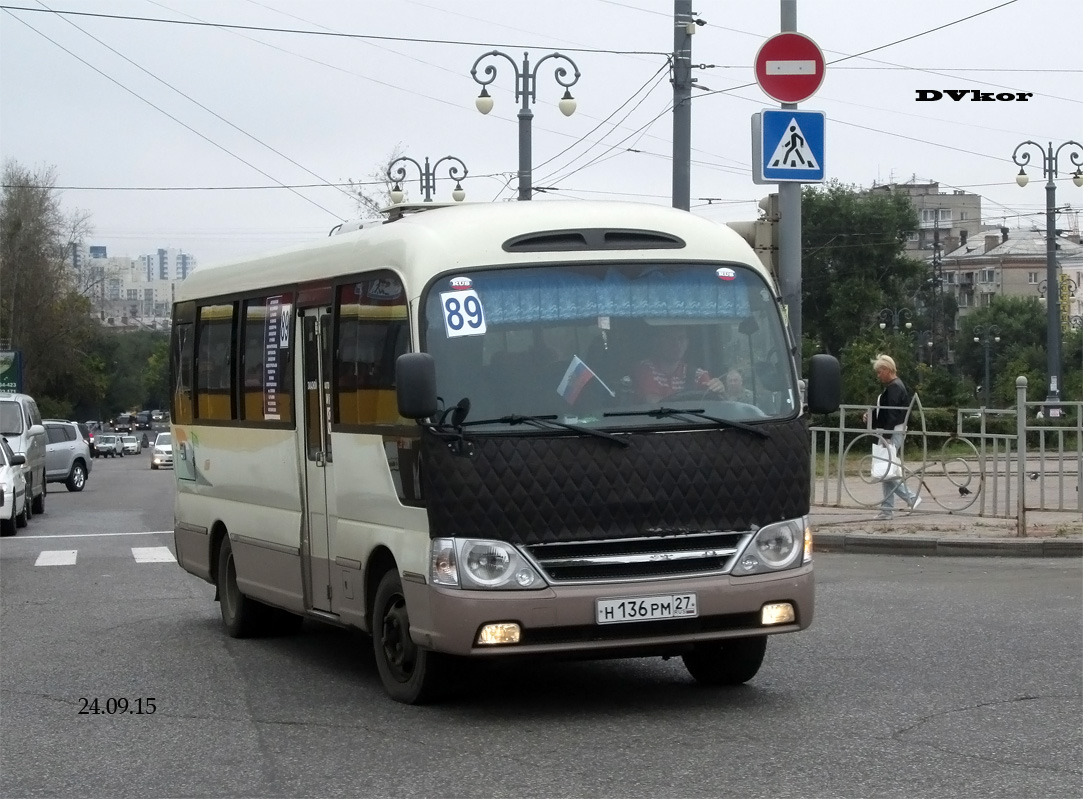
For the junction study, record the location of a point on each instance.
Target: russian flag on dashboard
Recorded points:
(576, 378)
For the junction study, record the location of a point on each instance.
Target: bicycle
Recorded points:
(948, 480)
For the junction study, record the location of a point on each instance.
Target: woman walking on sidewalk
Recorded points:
(890, 417)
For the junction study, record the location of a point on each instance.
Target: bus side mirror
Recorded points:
(415, 382)
(18, 459)
(824, 384)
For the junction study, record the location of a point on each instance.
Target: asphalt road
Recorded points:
(932, 677)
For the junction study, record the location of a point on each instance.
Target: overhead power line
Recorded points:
(205, 108)
(299, 32)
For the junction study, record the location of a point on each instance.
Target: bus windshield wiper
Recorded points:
(547, 423)
(659, 413)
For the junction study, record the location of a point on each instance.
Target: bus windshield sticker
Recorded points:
(463, 314)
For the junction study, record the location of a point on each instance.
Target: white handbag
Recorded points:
(885, 462)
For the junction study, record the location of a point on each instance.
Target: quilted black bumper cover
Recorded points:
(533, 489)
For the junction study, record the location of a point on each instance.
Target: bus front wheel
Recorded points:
(410, 674)
(730, 662)
(242, 616)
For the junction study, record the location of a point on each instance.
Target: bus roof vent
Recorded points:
(593, 239)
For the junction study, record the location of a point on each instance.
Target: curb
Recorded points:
(855, 543)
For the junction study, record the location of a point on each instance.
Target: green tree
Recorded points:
(41, 311)
(853, 262)
(1020, 324)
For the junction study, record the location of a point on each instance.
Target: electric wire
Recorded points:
(171, 116)
(339, 34)
(210, 111)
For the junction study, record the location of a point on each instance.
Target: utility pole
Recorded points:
(789, 235)
(683, 28)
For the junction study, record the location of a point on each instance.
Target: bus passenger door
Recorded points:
(316, 352)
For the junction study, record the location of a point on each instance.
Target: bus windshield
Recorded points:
(610, 345)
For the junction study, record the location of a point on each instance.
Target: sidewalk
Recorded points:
(933, 531)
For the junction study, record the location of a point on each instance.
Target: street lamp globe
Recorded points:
(1022, 178)
(567, 105)
(396, 194)
(484, 103)
(458, 195)
(1077, 178)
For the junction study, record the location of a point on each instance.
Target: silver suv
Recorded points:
(67, 454)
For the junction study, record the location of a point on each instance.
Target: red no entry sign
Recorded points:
(789, 67)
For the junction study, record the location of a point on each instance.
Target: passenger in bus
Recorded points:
(665, 372)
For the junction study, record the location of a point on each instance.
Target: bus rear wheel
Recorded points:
(730, 662)
(243, 617)
(409, 674)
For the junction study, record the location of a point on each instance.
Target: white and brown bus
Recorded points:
(433, 430)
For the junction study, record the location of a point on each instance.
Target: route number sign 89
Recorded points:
(463, 314)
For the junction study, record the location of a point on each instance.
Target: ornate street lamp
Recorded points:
(526, 82)
(895, 318)
(987, 336)
(925, 343)
(1049, 160)
(428, 177)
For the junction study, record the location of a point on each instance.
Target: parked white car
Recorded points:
(21, 425)
(14, 503)
(163, 451)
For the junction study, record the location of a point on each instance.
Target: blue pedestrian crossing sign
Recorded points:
(788, 146)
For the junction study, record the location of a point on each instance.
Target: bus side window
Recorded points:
(214, 363)
(372, 332)
(266, 377)
(181, 355)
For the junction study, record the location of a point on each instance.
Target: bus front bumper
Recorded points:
(564, 618)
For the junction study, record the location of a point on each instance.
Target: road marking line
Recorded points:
(153, 555)
(57, 557)
(85, 535)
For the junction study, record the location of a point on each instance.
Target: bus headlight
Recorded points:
(481, 564)
(774, 547)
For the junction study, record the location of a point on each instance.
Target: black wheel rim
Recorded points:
(400, 654)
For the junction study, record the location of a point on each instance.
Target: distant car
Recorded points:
(67, 454)
(156, 416)
(132, 445)
(14, 502)
(163, 451)
(123, 423)
(142, 420)
(107, 445)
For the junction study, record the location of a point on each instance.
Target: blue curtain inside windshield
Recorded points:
(536, 295)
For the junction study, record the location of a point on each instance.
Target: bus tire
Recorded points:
(410, 675)
(242, 617)
(730, 662)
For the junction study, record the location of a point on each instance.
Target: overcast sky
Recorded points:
(116, 103)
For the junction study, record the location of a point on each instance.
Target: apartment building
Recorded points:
(130, 293)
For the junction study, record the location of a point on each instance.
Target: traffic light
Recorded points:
(762, 234)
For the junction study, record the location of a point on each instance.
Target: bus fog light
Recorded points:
(777, 613)
(749, 563)
(496, 634)
(525, 578)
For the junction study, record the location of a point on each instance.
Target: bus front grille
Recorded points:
(647, 558)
